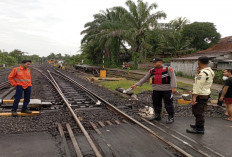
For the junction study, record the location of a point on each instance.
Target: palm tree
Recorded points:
(175, 44)
(138, 21)
(115, 27)
(178, 23)
(102, 31)
(172, 39)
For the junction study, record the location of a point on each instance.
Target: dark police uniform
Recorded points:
(163, 80)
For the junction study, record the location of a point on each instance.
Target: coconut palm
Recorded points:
(178, 23)
(138, 21)
(172, 39)
(117, 26)
(102, 31)
(175, 44)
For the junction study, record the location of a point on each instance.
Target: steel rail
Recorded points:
(110, 106)
(5, 73)
(177, 138)
(53, 82)
(96, 151)
(190, 139)
(80, 86)
(4, 84)
(209, 149)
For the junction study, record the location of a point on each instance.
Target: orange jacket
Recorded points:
(21, 77)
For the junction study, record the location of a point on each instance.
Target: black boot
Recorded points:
(26, 111)
(193, 126)
(196, 130)
(157, 117)
(14, 113)
(170, 119)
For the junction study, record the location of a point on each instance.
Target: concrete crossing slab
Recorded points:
(28, 144)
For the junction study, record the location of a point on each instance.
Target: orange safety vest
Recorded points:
(21, 77)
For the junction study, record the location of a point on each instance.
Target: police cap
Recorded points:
(157, 59)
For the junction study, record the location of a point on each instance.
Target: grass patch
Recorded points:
(184, 86)
(112, 85)
(213, 95)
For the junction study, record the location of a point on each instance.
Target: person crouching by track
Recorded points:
(20, 77)
(201, 91)
(227, 93)
(163, 85)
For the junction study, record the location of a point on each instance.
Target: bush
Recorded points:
(218, 77)
(179, 73)
(167, 60)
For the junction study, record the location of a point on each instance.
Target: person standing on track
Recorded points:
(227, 93)
(201, 91)
(163, 85)
(20, 77)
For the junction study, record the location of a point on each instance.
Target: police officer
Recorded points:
(201, 91)
(20, 77)
(163, 85)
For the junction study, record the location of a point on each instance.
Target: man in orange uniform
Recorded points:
(20, 77)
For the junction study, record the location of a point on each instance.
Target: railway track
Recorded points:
(4, 84)
(124, 74)
(107, 131)
(193, 150)
(4, 78)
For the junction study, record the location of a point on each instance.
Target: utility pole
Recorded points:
(103, 71)
(103, 61)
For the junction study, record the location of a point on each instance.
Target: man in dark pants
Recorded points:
(163, 85)
(201, 91)
(21, 78)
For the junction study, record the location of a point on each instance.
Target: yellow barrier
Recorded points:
(183, 102)
(102, 73)
(34, 113)
(11, 101)
(150, 80)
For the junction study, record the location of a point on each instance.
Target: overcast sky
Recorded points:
(45, 26)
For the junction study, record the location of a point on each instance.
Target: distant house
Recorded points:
(220, 55)
(224, 64)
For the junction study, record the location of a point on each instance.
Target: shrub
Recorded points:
(218, 77)
(179, 73)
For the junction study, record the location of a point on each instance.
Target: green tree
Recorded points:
(179, 23)
(59, 56)
(114, 28)
(172, 40)
(34, 58)
(10, 60)
(138, 21)
(99, 33)
(17, 54)
(175, 44)
(203, 34)
(51, 56)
